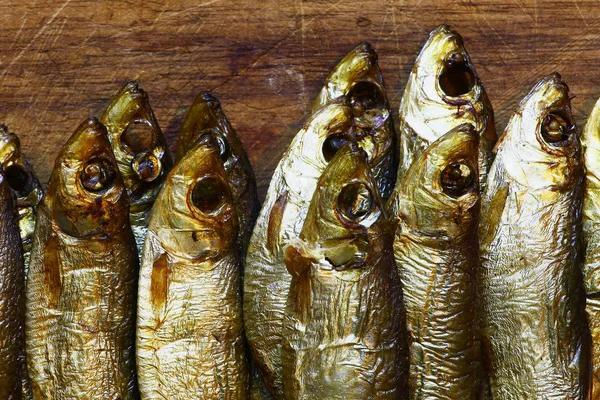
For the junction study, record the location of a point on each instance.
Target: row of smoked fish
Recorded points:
(460, 267)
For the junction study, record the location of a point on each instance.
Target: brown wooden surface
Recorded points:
(265, 60)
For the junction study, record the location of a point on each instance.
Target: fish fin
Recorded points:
(52, 271)
(494, 212)
(274, 226)
(159, 282)
(300, 293)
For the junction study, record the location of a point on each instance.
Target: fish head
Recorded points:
(542, 135)
(206, 117)
(86, 195)
(195, 216)
(357, 77)
(18, 171)
(439, 194)
(444, 89)
(345, 215)
(139, 146)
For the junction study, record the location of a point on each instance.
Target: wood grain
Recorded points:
(265, 60)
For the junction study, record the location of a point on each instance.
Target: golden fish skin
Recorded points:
(442, 92)
(22, 180)
(358, 79)
(205, 116)
(81, 289)
(436, 209)
(590, 141)
(344, 333)
(190, 338)
(532, 317)
(141, 152)
(12, 297)
(266, 281)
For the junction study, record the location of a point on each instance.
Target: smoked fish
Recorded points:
(12, 296)
(266, 281)
(535, 341)
(358, 79)
(436, 214)
(344, 333)
(205, 117)
(190, 338)
(442, 92)
(22, 180)
(141, 152)
(590, 141)
(81, 289)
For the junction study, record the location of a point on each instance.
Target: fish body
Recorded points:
(590, 140)
(190, 339)
(22, 180)
(12, 297)
(205, 116)
(141, 152)
(442, 92)
(344, 334)
(81, 289)
(358, 79)
(436, 209)
(529, 280)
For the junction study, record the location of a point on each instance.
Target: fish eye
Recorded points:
(556, 129)
(18, 179)
(457, 77)
(332, 144)
(138, 136)
(209, 194)
(98, 175)
(365, 96)
(146, 166)
(457, 179)
(224, 149)
(355, 201)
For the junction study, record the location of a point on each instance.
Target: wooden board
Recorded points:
(61, 61)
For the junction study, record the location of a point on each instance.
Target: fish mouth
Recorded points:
(345, 253)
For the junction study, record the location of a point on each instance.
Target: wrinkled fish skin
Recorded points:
(190, 340)
(344, 334)
(25, 185)
(81, 289)
(590, 140)
(436, 210)
(205, 116)
(141, 152)
(266, 281)
(530, 286)
(444, 91)
(358, 79)
(12, 297)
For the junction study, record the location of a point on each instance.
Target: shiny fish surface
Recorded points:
(436, 211)
(532, 307)
(442, 92)
(12, 296)
(25, 185)
(590, 140)
(266, 281)
(205, 116)
(190, 340)
(358, 79)
(81, 289)
(141, 152)
(344, 334)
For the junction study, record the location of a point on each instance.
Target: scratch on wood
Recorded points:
(524, 10)
(35, 37)
(580, 13)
